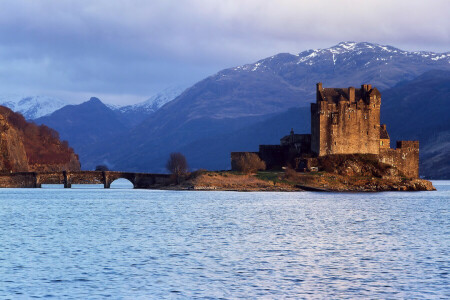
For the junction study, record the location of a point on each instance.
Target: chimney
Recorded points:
(363, 91)
(319, 86)
(318, 92)
(351, 94)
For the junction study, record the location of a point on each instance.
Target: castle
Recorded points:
(343, 121)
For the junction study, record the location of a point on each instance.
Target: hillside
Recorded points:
(26, 146)
(284, 80)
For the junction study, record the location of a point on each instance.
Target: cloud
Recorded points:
(136, 47)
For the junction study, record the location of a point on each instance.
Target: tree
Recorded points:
(250, 163)
(101, 168)
(177, 165)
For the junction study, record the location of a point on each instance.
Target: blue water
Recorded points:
(140, 244)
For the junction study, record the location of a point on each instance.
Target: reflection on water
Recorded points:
(125, 243)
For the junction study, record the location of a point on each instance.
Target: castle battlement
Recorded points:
(408, 145)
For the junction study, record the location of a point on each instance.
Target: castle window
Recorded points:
(334, 118)
(367, 132)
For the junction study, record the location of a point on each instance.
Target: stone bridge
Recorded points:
(67, 178)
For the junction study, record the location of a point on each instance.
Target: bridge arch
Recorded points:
(122, 183)
(110, 177)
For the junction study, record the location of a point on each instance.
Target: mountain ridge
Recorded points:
(236, 98)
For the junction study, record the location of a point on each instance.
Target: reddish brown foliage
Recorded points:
(42, 143)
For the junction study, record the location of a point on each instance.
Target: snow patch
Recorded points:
(256, 67)
(155, 102)
(32, 107)
(348, 45)
(439, 57)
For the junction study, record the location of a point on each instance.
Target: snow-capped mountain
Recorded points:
(136, 113)
(349, 63)
(155, 102)
(346, 53)
(288, 80)
(32, 107)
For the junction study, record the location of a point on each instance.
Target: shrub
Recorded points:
(250, 163)
(101, 168)
(290, 173)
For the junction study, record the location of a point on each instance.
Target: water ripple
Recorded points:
(139, 244)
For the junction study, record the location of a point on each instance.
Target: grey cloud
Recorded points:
(137, 47)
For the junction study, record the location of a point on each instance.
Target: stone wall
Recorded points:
(18, 180)
(275, 156)
(405, 158)
(301, 143)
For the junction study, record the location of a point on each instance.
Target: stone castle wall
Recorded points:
(345, 125)
(405, 158)
(275, 156)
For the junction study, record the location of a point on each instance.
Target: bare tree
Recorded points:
(177, 165)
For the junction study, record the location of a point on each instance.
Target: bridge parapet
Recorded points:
(67, 178)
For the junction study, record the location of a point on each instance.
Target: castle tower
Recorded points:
(346, 120)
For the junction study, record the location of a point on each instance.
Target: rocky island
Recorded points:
(347, 150)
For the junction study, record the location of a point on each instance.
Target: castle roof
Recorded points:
(339, 94)
(375, 92)
(383, 133)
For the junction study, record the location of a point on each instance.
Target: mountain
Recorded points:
(285, 80)
(236, 107)
(419, 109)
(136, 113)
(236, 98)
(85, 124)
(26, 147)
(32, 107)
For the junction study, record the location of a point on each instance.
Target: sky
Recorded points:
(125, 51)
